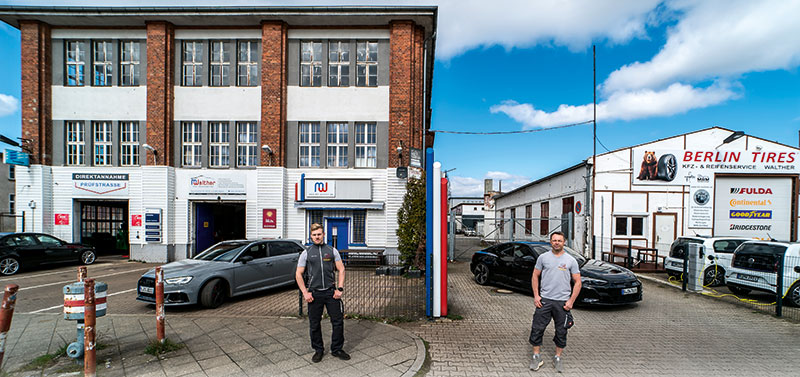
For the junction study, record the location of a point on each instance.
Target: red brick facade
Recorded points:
(160, 91)
(274, 46)
(405, 90)
(36, 98)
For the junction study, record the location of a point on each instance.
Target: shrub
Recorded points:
(411, 225)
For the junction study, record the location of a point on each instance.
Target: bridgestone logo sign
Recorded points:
(750, 227)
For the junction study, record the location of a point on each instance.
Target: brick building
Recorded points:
(172, 128)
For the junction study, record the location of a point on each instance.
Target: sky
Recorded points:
(663, 68)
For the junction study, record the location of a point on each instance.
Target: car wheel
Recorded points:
(481, 274)
(738, 291)
(88, 257)
(667, 168)
(713, 276)
(213, 294)
(9, 266)
(793, 296)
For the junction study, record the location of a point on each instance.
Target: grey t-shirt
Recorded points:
(556, 275)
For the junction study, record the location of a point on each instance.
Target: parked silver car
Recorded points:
(227, 269)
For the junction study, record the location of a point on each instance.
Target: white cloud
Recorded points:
(8, 105)
(644, 103)
(469, 186)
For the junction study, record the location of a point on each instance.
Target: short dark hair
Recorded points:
(559, 233)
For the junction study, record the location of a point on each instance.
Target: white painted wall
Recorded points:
(334, 104)
(254, 33)
(99, 33)
(100, 103)
(207, 103)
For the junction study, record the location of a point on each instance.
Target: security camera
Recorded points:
(266, 148)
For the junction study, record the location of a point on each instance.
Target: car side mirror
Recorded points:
(797, 269)
(529, 259)
(245, 259)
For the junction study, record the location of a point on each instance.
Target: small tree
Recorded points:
(411, 225)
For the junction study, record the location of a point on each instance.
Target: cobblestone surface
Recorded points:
(670, 333)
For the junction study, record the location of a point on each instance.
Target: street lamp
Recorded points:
(735, 135)
(151, 149)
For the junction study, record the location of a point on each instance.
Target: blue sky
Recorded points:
(663, 68)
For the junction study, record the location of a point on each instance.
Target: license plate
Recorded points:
(747, 277)
(677, 264)
(147, 290)
(628, 291)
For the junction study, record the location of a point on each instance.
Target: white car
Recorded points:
(755, 267)
(717, 258)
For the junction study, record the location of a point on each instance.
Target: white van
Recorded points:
(718, 255)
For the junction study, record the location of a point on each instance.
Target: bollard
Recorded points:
(160, 304)
(90, 321)
(82, 273)
(6, 312)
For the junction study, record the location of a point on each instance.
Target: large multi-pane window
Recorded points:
(102, 63)
(366, 63)
(219, 144)
(129, 143)
(102, 143)
(191, 143)
(192, 63)
(338, 64)
(76, 143)
(366, 145)
(129, 63)
(246, 144)
(76, 60)
(220, 63)
(359, 227)
(311, 64)
(247, 65)
(12, 203)
(337, 145)
(309, 144)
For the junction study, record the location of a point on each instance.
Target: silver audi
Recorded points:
(227, 269)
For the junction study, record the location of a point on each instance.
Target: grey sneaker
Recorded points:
(536, 362)
(558, 364)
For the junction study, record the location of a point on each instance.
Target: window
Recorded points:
(102, 143)
(12, 201)
(359, 227)
(501, 223)
(129, 64)
(311, 64)
(309, 144)
(191, 143)
(513, 221)
(246, 144)
(220, 63)
(278, 248)
(103, 63)
(338, 64)
(76, 143)
(219, 144)
(726, 246)
(193, 63)
(248, 64)
(48, 240)
(257, 251)
(544, 224)
(337, 145)
(76, 58)
(528, 219)
(315, 217)
(129, 146)
(367, 64)
(629, 225)
(366, 145)
(12, 173)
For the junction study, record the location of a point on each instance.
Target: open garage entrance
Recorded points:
(218, 221)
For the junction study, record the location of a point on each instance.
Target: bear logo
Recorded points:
(649, 169)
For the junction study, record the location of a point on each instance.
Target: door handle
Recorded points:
(295, 259)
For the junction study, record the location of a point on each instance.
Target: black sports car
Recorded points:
(512, 263)
(22, 250)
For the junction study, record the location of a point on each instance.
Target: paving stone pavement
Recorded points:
(219, 346)
(670, 333)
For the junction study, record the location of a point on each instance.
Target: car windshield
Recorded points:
(222, 252)
(578, 257)
(760, 248)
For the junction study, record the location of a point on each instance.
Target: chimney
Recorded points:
(488, 186)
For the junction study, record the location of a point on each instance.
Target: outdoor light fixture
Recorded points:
(8, 141)
(266, 148)
(735, 135)
(151, 149)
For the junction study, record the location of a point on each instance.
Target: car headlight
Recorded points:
(590, 281)
(178, 280)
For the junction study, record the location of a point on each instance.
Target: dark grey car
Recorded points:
(227, 269)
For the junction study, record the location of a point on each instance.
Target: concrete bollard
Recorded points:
(6, 313)
(89, 359)
(160, 304)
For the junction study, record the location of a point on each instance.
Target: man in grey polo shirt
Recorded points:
(556, 269)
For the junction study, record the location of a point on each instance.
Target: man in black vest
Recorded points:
(322, 292)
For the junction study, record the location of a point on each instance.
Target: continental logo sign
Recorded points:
(751, 190)
(750, 214)
(745, 202)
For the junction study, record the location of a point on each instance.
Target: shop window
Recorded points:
(311, 64)
(629, 226)
(367, 63)
(359, 227)
(129, 64)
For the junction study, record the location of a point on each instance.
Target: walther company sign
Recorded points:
(105, 185)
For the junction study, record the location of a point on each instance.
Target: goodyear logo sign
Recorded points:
(750, 214)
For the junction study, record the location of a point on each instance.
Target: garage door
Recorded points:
(759, 207)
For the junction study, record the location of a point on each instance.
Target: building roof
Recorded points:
(569, 169)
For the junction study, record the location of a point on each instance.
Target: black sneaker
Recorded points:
(317, 356)
(341, 355)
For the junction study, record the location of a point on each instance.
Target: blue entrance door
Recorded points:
(204, 227)
(337, 228)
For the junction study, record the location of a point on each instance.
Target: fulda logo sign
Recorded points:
(752, 214)
(751, 190)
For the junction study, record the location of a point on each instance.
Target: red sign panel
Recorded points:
(270, 218)
(136, 220)
(62, 218)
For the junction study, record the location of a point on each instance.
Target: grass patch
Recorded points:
(454, 317)
(156, 348)
(44, 361)
(388, 320)
(70, 368)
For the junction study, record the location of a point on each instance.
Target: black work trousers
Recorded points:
(324, 299)
(551, 309)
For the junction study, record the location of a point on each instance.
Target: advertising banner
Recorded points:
(270, 218)
(673, 167)
(62, 219)
(753, 207)
(217, 184)
(701, 206)
(100, 185)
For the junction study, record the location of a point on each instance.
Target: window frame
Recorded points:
(528, 219)
(219, 144)
(629, 225)
(80, 145)
(194, 144)
(339, 146)
(367, 63)
(342, 61)
(249, 147)
(12, 173)
(79, 63)
(106, 143)
(134, 64)
(12, 203)
(312, 64)
(544, 223)
(196, 64)
(359, 222)
(309, 144)
(222, 64)
(362, 143)
(129, 140)
(252, 47)
(107, 65)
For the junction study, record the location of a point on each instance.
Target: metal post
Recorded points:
(90, 321)
(685, 268)
(299, 303)
(570, 228)
(629, 259)
(6, 312)
(594, 241)
(23, 221)
(779, 287)
(82, 273)
(160, 304)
